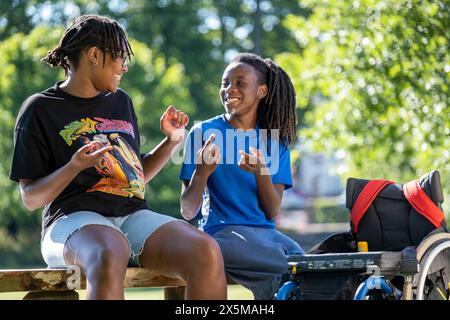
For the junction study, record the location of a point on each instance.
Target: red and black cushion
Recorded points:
(383, 216)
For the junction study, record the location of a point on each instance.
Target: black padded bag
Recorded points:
(391, 223)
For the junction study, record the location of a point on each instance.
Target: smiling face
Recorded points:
(241, 91)
(107, 77)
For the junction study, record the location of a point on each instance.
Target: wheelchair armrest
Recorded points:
(386, 261)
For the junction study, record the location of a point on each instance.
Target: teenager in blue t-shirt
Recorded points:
(236, 167)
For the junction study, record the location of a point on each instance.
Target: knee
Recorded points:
(206, 253)
(107, 261)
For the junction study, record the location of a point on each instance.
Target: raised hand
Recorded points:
(172, 124)
(89, 155)
(208, 157)
(253, 162)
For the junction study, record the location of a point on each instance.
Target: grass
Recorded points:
(235, 292)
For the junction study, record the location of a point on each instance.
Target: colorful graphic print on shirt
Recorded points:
(120, 168)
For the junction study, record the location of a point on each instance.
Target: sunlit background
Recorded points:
(372, 82)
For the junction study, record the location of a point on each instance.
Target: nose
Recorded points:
(229, 88)
(124, 68)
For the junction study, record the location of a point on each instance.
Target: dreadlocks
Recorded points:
(278, 109)
(88, 31)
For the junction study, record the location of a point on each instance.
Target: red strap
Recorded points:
(365, 199)
(422, 203)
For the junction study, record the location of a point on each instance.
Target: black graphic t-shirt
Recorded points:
(53, 125)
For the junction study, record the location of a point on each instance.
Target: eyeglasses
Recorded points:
(122, 60)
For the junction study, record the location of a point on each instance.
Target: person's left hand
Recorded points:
(172, 124)
(253, 162)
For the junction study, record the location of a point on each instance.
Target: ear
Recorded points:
(94, 55)
(262, 91)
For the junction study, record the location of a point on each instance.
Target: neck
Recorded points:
(79, 86)
(245, 121)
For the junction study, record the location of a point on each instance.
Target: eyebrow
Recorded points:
(238, 77)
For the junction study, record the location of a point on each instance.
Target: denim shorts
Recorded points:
(135, 227)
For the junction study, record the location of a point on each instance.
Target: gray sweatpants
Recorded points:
(256, 257)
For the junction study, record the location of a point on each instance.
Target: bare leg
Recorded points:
(179, 250)
(102, 254)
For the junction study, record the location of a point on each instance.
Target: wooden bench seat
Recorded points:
(53, 283)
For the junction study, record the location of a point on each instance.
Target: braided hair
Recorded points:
(278, 109)
(88, 31)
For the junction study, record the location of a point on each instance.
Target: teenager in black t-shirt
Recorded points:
(77, 155)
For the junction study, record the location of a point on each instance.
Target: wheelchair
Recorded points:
(403, 242)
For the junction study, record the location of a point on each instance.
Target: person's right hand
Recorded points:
(208, 157)
(89, 155)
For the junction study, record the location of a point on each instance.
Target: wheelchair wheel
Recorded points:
(433, 280)
(289, 291)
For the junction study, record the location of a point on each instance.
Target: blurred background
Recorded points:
(372, 82)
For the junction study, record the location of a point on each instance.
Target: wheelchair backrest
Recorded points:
(391, 223)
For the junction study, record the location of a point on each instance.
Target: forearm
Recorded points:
(268, 196)
(191, 197)
(156, 159)
(42, 191)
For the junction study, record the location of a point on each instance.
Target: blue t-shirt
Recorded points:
(231, 196)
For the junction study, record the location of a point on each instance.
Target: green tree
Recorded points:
(373, 80)
(23, 15)
(201, 35)
(14, 17)
(22, 75)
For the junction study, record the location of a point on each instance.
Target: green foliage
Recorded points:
(21, 249)
(14, 18)
(373, 79)
(23, 74)
(202, 34)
